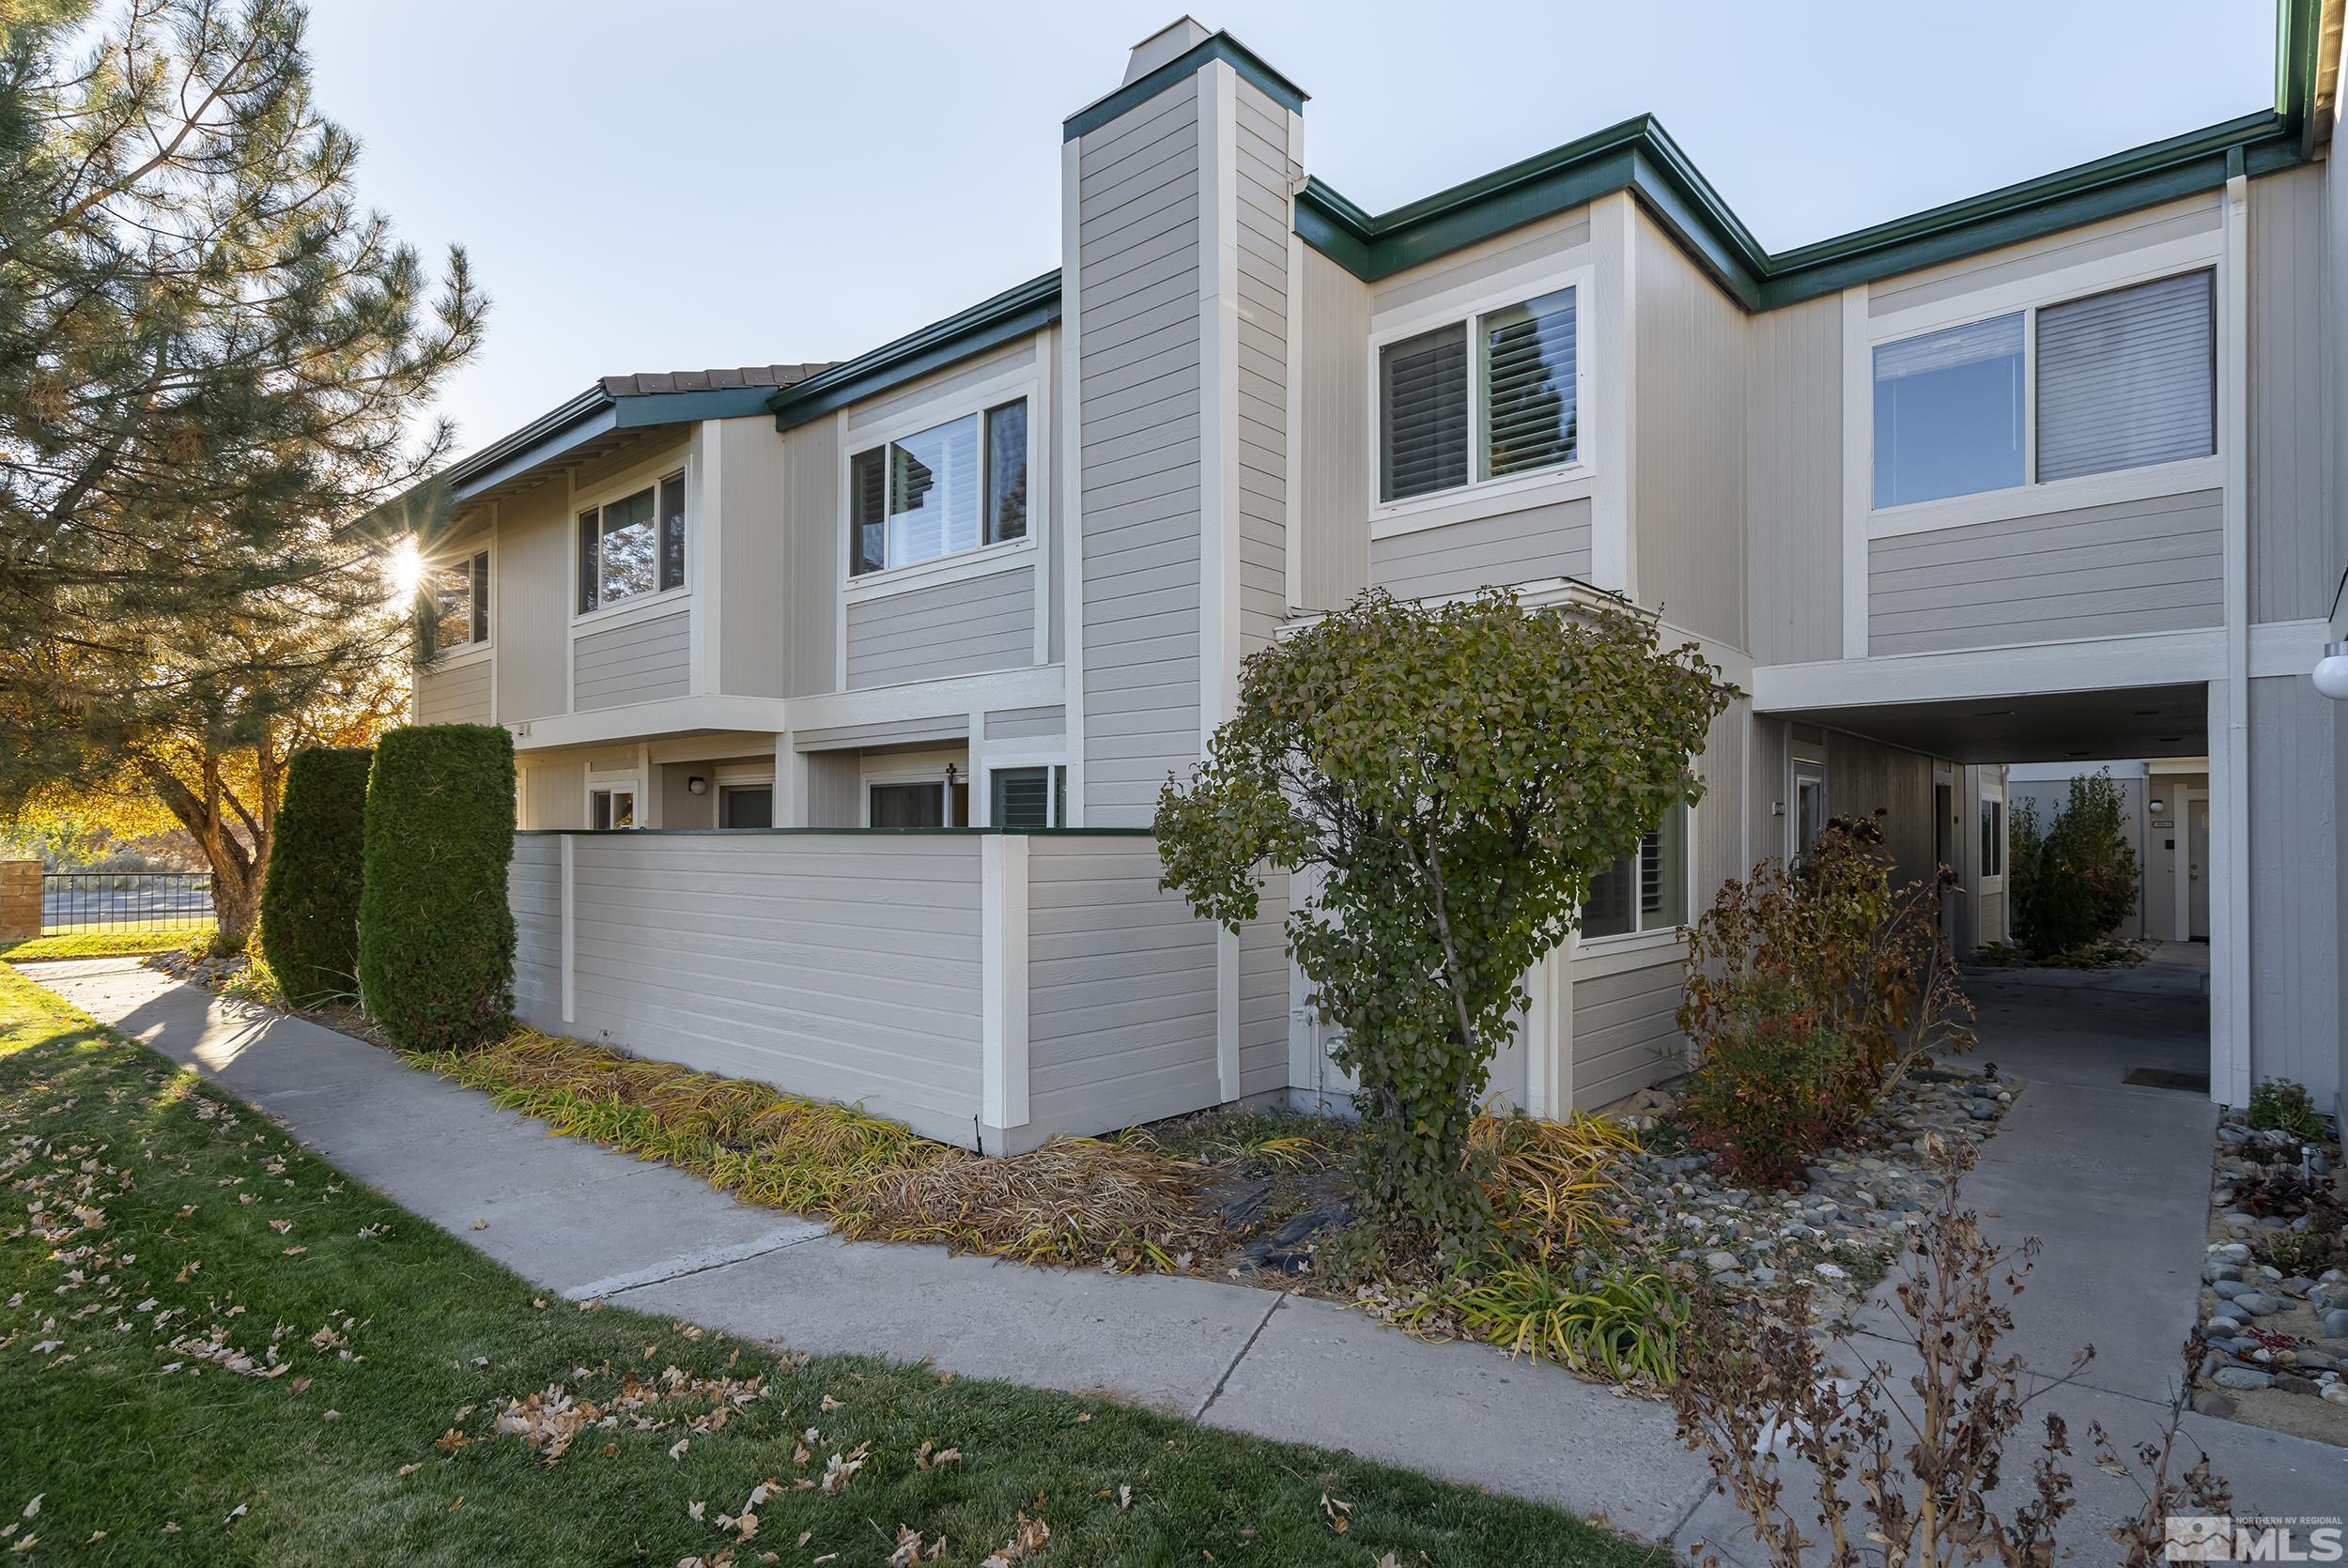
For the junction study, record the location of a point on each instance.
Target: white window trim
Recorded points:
(614, 786)
(1386, 517)
(467, 652)
(2034, 495)
(1799, 766)
(651, 474)
(1995, 793)
(1659, 936)
(998, 761)
(1025, 382)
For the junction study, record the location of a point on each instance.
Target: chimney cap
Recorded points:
(1168, 42)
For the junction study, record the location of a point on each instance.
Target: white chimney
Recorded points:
(1168, 43)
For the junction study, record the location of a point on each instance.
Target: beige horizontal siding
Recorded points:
(1625, 1036)
(1537, 543)
(644, 661)
(453, 696)
(956, 629)
(2099, 571)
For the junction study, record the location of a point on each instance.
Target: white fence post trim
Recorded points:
(1003, 982)
(570, 1009)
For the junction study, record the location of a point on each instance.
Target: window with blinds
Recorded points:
(2128, 378)
(1448, 416)
(1423, 414)
(1646, 891)
(1529, 390)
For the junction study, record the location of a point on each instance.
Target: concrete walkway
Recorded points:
(2116, 1179)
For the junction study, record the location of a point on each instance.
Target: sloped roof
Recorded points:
(644, 383)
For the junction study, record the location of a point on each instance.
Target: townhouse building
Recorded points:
(2047, 475)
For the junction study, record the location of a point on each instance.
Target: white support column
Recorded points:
(1068, 494)
(1218, 478)
(1549, 1033)
(1003, 982)
(1858, 467)
(2230, 1076)
(1614, 246)
(570, 846)
(647, 787)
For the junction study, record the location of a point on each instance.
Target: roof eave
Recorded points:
(1015, 313)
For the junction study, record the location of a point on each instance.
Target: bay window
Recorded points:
(949, 489)
(1492, 397)
(632, 547)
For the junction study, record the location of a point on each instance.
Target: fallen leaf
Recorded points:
(695, 1510)
(1125, 1497)
(678, 1452)
(281, 1227)
(234, 1514)
(409, 1469)
(26, 1545)
(33, 1507)
(334, 1414)
(481, 1224)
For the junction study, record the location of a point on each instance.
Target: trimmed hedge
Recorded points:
(310, 899)
(436, 938)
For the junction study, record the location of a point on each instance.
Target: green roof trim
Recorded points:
(1639, 155)
(1222, 46)
(1011, 314)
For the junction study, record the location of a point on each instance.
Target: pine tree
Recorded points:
(213, 371)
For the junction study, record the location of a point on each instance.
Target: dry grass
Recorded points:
(1075, 1200)
(1548, 1180)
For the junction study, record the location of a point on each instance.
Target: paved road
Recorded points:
(2113, 1176)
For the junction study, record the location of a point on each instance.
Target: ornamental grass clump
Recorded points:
(1455, 775)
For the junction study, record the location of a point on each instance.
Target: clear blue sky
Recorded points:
(706, 182)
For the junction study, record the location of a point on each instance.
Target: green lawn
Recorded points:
(105, 944)
(161, 1230)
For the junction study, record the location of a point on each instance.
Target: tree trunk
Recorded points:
(235, 902)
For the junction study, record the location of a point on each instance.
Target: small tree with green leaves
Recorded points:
(2082, 884)
(1454, 776)
(310, 902)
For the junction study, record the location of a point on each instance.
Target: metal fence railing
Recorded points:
(123, 900)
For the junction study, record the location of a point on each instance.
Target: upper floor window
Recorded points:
(2117, 380)
(953, 487)
(1647, 890)
(1496, 394)
(632, 547)
(460, 602)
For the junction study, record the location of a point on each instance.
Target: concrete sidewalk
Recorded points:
(2113, 1182)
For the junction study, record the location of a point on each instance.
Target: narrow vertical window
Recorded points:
(868, 511)
(673, 531)
(481, 598)
(1007, 473)
(590, 555)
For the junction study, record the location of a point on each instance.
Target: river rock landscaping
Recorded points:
(1838, 1229)
(2275, 1281)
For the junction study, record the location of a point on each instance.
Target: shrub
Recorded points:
(1623, 1324)
(1773, 1089)
(310, 901)
(2280, 1105)
(1831, 939)
(1458, 774)
(435, 937)
(2082, 884)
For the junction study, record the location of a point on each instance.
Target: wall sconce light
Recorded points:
(2157, 807)
(952, 773)
(696, 785)
(2331, 672)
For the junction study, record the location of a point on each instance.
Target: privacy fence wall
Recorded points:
(988, 988)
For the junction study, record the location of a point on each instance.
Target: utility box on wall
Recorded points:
(20, 899)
